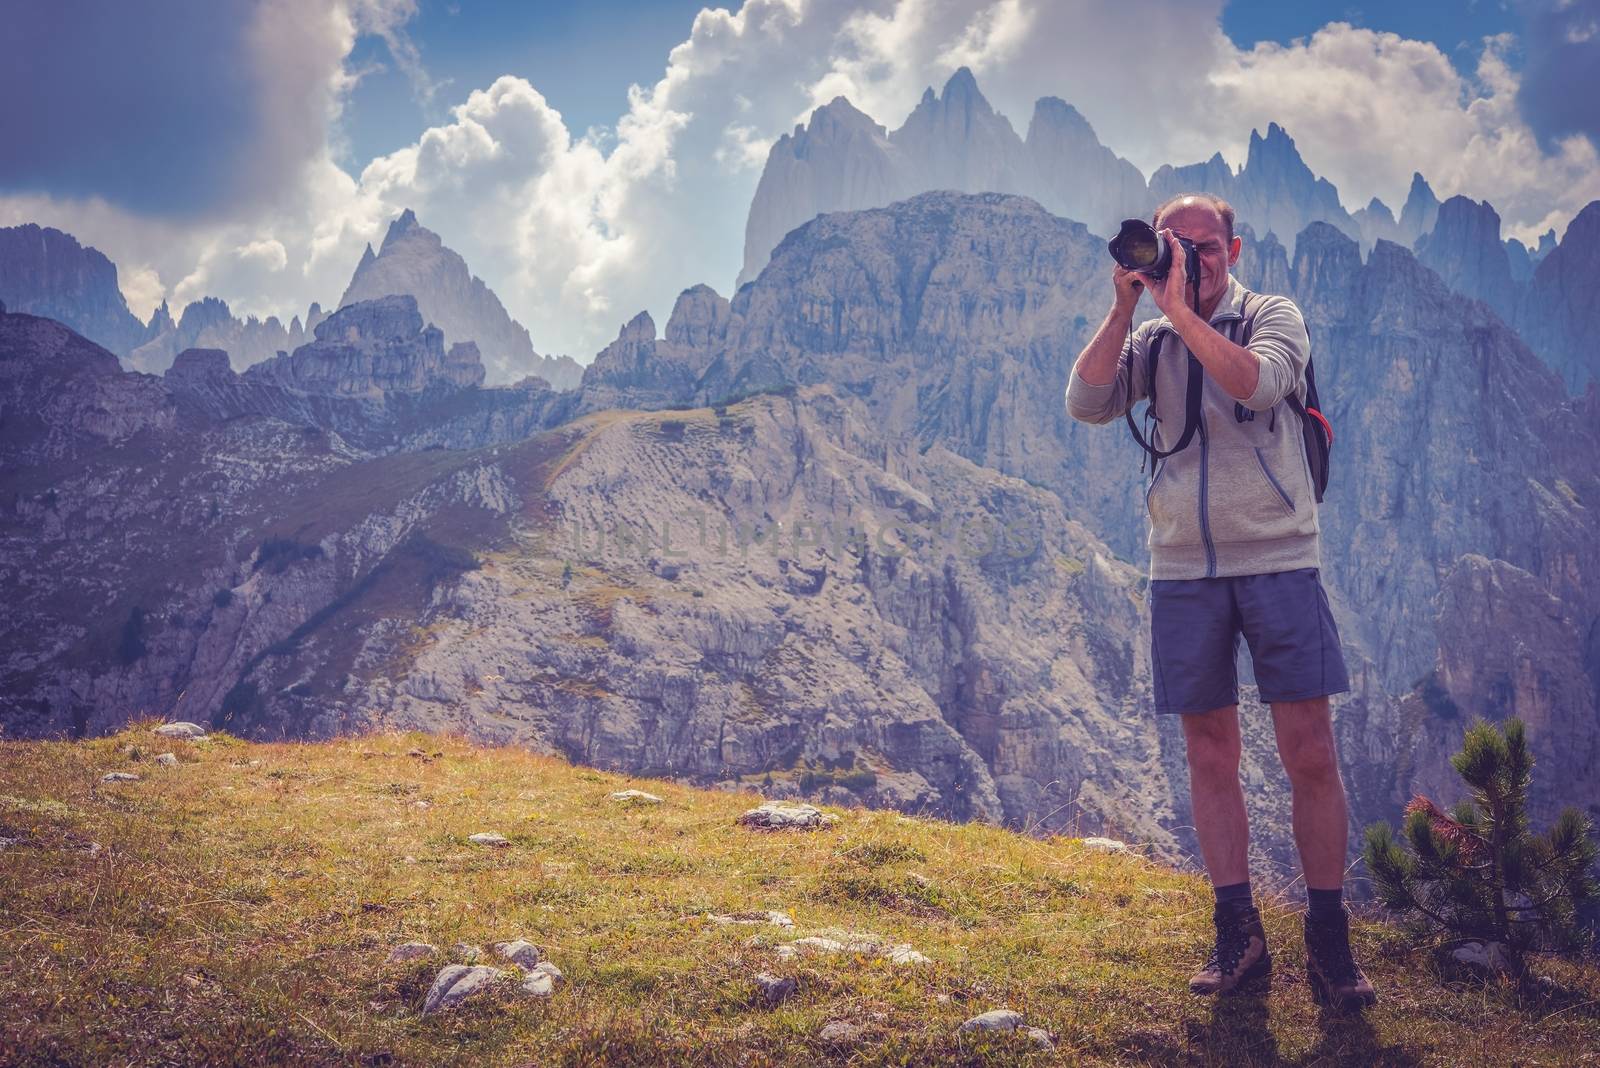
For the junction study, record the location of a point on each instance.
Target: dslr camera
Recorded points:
(1137, 247)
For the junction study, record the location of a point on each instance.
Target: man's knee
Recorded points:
(1212, 740)
(1305, 741)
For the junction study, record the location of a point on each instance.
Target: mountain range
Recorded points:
(835, 534)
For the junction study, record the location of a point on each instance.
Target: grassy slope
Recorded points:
(242, 913)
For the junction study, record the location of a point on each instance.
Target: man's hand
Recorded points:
(1130, 286)
(1171, 293)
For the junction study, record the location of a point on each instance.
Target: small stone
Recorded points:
(467, 952)
(818, 944)
(1105, 845)
(841, 1032)
(167, 760)
(457, 982)
(542, 979)
(6, 843)
(489, 838)
(1491, 957)
(181, 730)
(775, 990)
(903, 954)
(1040, 1038)
(411, 951)
(408, 859)
(776, 815)
(635, 797)
(522, 953)
(119, 776)
(994, 1020)
(777, 919)
(420, 804)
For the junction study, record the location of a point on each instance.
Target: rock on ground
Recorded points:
(119, 776)
(775, 990)
(994, 1020)
(522, 953)
(635, 797)
(489, 838)
(167, 760)
(775, 815)
(777, 919)
(541, 980)
(411, 951)
(1105, 845)
(841, 1032)
(181, 730)
(457, 982)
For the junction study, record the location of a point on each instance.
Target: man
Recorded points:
(1234, 548)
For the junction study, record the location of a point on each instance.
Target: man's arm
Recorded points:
(1257, 377)
(1097, 387)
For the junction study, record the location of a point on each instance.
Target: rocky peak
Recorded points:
(383, 319)
(1376, 221)
(199, 364)
(371, 348)
(207, 312)
(1078, 176)
(699, 318)
(1465, 249)
(415, 261)
(44, 271)
(1559, 316)
(1421, 210)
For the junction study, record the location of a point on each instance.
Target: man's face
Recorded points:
(1200, 223)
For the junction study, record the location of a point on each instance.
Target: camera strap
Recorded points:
(1191, 418)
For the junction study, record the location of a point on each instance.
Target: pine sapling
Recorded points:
(1478, 872)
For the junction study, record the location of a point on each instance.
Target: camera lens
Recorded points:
(1137, 247)
(1140, 252)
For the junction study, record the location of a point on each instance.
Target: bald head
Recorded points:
(1197, 206)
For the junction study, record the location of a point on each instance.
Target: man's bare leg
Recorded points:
(1320, 817)
(1239, 955)
(1321, 831)
(1216, 796)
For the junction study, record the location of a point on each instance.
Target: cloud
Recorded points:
(1560, 91)
(1367, 109)
(187, 109)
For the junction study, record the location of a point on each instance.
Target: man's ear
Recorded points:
(1234, 248)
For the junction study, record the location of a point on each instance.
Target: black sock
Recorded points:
(1234, 895)
(1324, 904)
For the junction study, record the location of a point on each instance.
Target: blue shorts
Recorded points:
(1285, 619)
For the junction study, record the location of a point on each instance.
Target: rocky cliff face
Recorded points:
(1275, 192)
(638, 370)
(1559, 312)
(413, 260)
(844, 161)
(209, 324)
(46, 272)
(1465, 250)
(908, 364)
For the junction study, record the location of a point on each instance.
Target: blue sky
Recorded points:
(582, 55)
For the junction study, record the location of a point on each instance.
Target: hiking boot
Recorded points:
(1336, 979)
(1240, 955)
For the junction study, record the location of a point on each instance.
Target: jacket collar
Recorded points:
(1228, 309)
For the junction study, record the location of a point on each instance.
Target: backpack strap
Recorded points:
(1191, 401)
(1315, 429)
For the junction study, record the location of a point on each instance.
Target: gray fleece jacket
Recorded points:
(1238, 500)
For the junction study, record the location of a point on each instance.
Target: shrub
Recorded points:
(1479, 872)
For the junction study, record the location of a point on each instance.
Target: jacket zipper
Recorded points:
(1205, 526)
